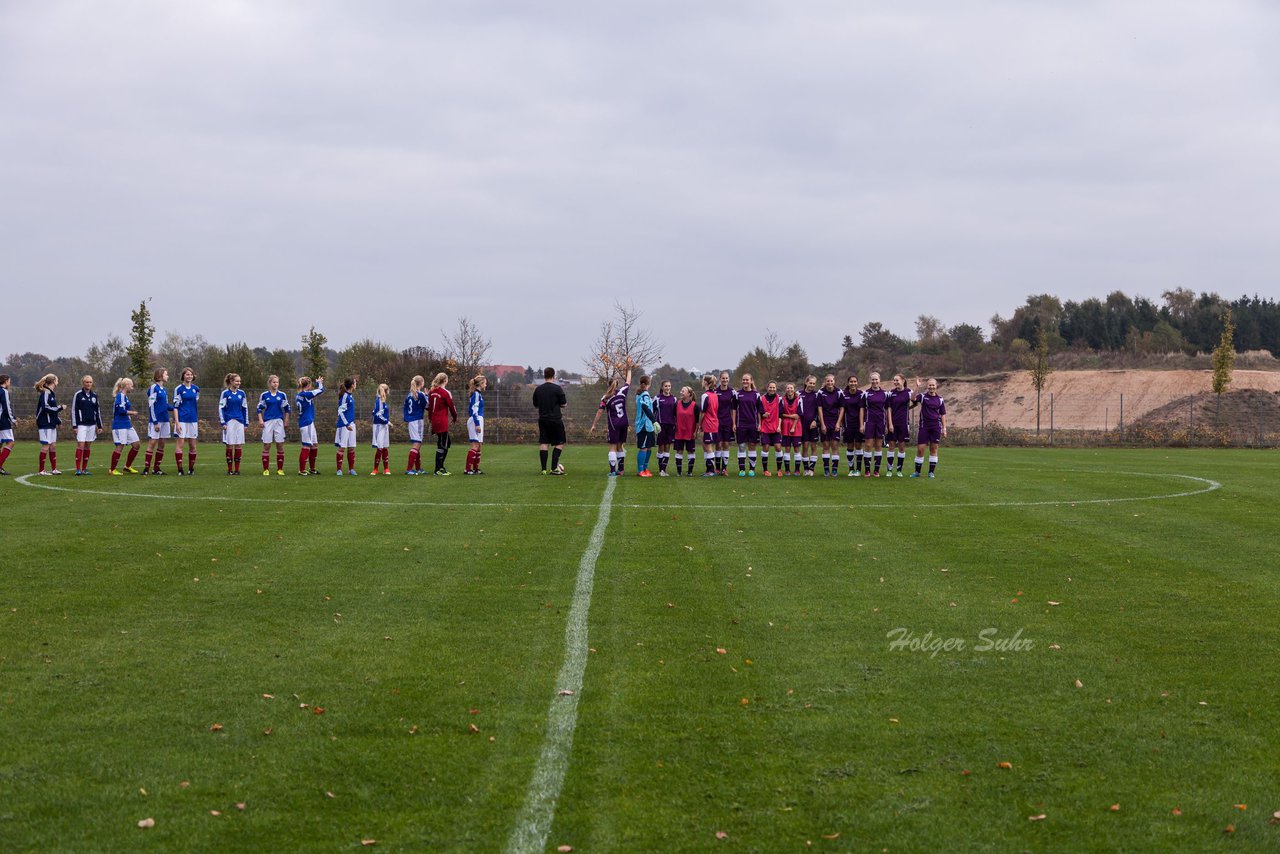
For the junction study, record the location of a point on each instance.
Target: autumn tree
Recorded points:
(1224, 357)
(314, 358)
(622, 341)
(467, 347)
(1038, 365)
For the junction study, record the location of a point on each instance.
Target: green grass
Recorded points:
(130, 625)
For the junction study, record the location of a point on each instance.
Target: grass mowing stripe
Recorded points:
(534, 823)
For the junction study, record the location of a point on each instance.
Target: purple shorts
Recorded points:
(748, 435)
(686, 445)
(725, 433)
(668, 430)
(813, 434)
(929, 433)
(617, 434)
(852, 435)
(771, 439)
(831, 434)
(710, 438)
(874, 428)
(901, 430)
(791, 441)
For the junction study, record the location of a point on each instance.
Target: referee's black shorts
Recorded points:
(550, 432)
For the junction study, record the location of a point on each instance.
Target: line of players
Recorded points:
(873, 424)
(177, 416)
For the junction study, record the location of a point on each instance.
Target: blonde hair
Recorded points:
(120, 384)
(417, 383)
(708, 380)
(440, 379)
(226, 381)
(383, 388)
(273, 377)
(476, 382)
(685, 388)
(304, 383)
(43, 383)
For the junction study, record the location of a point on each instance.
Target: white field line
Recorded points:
(534, 822)
(1207, 485)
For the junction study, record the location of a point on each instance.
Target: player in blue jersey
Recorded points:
(305, 402)
(233, 415)
(344, 435)
(614, 406)
(415, 411)
(122, 432)
(160, 420)
(86, 420)
(273, 418)
(381, 430)
(6, 423)
(186, 397)
(475, 422)
(47, 421)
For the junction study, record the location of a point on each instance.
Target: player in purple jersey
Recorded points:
(900, 406)
(874, 402)
(811, 432)
(851, 400)
(933, 424)
(747, 425)
(614, 405)
(830, 416)
(665, 404)
(728, 401)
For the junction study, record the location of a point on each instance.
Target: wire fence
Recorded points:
(1246, 418)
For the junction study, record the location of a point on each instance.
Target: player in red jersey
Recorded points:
(442, 412)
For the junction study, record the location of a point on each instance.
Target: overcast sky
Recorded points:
(380, 168)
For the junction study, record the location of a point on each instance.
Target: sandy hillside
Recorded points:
(1084, 399)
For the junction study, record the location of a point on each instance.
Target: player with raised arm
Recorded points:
(273, 419)
(344, 434)
(933, 424)
(122, 432)
(614, 407)
(233, 415)
(306, 405)
(830, 419)
(86, 420)
(549, 400)
(186, 399)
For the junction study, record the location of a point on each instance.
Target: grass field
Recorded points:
(307, 664)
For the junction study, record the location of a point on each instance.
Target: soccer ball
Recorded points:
(559, 468)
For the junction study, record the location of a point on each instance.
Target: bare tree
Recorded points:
(622, 342)
(467, 347)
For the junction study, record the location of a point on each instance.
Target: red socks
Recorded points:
(266, 460)
(79, 457)
(339, 452)
(4, 454)
(191, 462)
(351, 459)
(43, 456)
(177, 458)
(315, 452)
(302, 459)
(238, 452)
(115, 459)
(473, 461)
(229, 459)
(279, 459)
(133, 455)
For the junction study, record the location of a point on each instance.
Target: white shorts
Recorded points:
(475, 432)
(48, 436)
(308, 435)
(188, 429)
(415, 431)
(233, 433)
(6, 435)
(86, 433)
(381, 435)
(344, 437)
(159, 431)
(273, 431)
(127, 436)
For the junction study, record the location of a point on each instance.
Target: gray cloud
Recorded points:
(379, 169)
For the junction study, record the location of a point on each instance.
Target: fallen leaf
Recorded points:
(564, 849)
(216, 728)
(1079, 684)
(147, 822)
(240, 806)
(1054, 646)
(830, 836)
(1005, 765)
(142, 792)
(1054, 603)
(1230, 828)
(1176, 812)
(268, 731)
(368, 842)
(185, 784)
(688, 548)
(1275, 817)
(330, 795)
(721, 650)
(1115, 808)
(564, 693)
(745, 701)
(671, 604)
(893, 720)
(1040, 817)
(720, 834)
(472, 728)
(413, 730)
(318, 710)
(214, 812)
(1241, 806)
(965, 773)
(268, 696)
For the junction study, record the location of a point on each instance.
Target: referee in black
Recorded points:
(549, 399)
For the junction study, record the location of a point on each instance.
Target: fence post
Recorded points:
(982, 421)
(497, 407)
(1122, 417)
(1050, 418)
(1191, 421)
